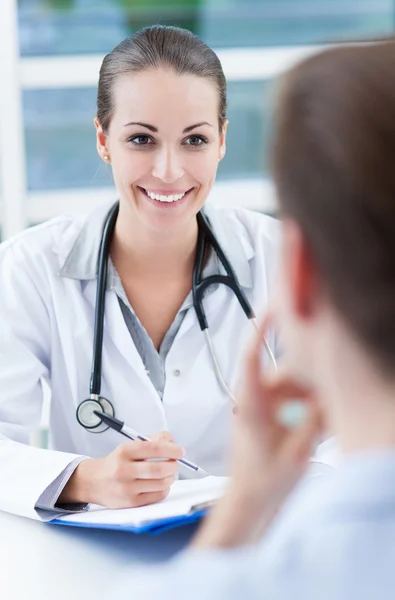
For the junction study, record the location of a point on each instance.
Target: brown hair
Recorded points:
(153, 47)
(333, 159)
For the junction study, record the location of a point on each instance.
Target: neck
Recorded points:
(359, 399)
(142, 252)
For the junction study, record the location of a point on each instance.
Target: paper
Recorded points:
(183, 496)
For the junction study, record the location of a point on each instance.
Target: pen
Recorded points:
(133, 435)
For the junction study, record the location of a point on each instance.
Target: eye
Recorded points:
(140, 140)
(195, 140)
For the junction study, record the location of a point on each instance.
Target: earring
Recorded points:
(106, 157)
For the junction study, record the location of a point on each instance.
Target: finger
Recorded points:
(314, 428)
(265, 322)
(254, 372)
(144, 486)
(163, 436)
(262, 331)
(139, 450)
(151, 498)
(274, 390)
(281, 384)
(301, 442)
(154, 469)
(284, 393)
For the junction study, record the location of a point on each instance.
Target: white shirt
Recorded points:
(47, 300)
(335, 540)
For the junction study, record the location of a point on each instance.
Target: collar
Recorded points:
(361, 480)
(79, 247)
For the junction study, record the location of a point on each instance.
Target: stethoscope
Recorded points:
(86, 410)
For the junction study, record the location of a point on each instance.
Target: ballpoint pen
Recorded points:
(130, 433)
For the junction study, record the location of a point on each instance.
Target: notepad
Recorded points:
(187, 501)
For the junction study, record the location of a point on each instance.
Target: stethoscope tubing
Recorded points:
(108, 231)
(199, 287)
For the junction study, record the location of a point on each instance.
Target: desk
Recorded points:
(39, 561)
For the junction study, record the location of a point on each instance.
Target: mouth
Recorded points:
(165, 200)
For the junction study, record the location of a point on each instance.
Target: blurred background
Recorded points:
(50, 54)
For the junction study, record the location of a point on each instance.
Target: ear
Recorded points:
(300, 271)
(101, 141)
(222, 140)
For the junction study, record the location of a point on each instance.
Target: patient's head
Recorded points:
(334, 167)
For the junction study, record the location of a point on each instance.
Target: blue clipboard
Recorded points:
(152, 528)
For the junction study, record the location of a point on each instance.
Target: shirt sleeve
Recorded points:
(47, 501)
(196, 574)
(336, 558)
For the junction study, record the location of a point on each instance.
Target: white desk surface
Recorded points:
(39, 561)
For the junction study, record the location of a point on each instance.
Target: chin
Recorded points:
(167, 223)
(169, 215)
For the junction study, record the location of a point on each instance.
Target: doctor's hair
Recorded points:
(154, 47)
(333, 161)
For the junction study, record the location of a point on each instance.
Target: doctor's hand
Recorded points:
(126, 477)
(268, 456)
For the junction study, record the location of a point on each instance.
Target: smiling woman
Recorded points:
(176, 152)
(161, 125)
(161, 121)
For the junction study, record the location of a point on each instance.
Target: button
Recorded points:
(176, 372)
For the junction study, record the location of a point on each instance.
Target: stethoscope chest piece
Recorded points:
(86, 414)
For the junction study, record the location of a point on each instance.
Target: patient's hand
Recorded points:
(268, 458)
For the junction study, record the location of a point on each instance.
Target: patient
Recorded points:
(334, 167)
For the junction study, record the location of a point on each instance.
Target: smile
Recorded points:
(165, 198)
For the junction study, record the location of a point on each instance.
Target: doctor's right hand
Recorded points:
(126, 477)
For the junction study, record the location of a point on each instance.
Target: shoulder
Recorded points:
(260, 230)
(40, 243)
(258, 224)
(346, 557)
(329, 544)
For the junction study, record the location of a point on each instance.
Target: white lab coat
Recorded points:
(46, 329)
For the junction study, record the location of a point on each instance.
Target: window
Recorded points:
(62, 43)
(64, 27)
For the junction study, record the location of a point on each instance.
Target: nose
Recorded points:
(167, 166)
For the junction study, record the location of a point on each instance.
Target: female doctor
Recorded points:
(161, 125)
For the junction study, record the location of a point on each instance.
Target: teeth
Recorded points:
(162, 198)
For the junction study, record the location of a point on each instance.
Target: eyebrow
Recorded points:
(155, 129)
(191, 127)
(150, 127)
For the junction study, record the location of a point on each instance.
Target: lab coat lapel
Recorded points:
(212, 303)
(234, 242)
(116, 332)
